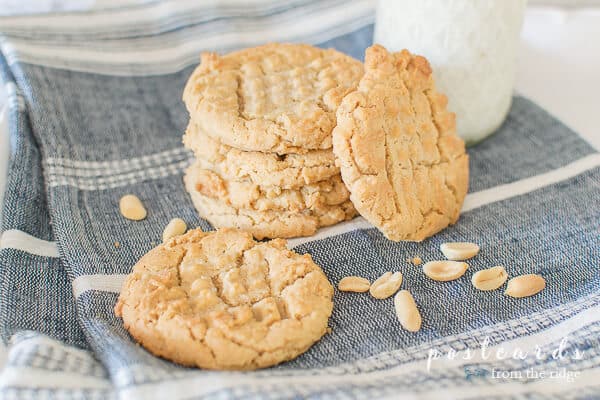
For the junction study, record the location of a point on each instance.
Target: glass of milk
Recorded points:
(472, 47)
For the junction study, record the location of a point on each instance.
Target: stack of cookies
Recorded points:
(289, 138)
(261, 123)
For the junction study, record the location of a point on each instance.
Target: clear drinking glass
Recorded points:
(472, 47)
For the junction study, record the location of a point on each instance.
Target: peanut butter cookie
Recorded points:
(400, 157)
(278, 98)
(265, 224)
(248, 195)
(289, 171)
(220, 300)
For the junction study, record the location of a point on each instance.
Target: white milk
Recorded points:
(472, 47)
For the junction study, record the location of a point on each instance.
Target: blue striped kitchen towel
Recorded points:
(95, 113)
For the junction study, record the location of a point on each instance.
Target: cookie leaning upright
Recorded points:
(220, 300)
(400, 157)
(278, 98)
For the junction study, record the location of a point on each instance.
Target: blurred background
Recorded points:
(11, 7)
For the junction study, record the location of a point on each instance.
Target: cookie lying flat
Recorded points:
(278, 98)
(220, 300)
(399, 154)
(290, 171)
(266, 224)
(247, 195)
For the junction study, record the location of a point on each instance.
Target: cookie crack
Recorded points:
(425, 216)
(438, 132)
(259, 352)
(454, 194)
(289, 283)
(438, 129)
(418, 132)
(240, 98)
(350, 148)
(388, 165)
(202, 341)
(268, 276)
(178, 268)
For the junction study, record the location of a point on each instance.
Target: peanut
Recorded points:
(444, 271)
(132, 208)
(407, 311)
(525, 285)
(458, 251)
(489, 279)
(354, 284)
(386, 285)
(175, 227)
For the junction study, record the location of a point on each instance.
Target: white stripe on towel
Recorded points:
(116, 180)
(37, 378)
(106, 20)
(101, 282)
(527, 185)
(14, 97)
(101, 175)
(19, 240)
(3, 355)
(66, 166)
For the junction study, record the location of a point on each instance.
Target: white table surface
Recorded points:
(559, 66)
